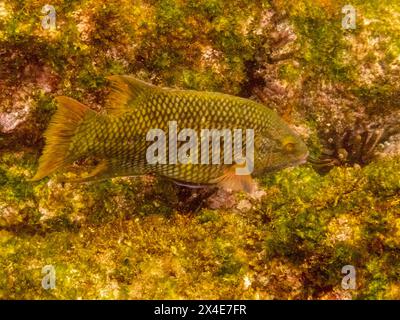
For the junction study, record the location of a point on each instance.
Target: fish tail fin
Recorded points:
(70, 113)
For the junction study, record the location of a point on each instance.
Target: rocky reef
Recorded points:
(143, 238)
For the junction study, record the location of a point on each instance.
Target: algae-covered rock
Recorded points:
(145, 238)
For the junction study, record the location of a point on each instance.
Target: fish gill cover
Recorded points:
(327, 70)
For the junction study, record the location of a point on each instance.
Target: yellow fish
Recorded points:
(141, 119)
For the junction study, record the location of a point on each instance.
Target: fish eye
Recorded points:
(289, 147)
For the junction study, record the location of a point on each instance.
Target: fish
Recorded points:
(120, 137)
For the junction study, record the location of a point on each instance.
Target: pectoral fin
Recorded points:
(231, 181)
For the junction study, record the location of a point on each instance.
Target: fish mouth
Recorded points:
(304, 159)
(293, 163)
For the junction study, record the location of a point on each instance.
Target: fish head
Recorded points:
(279, 150)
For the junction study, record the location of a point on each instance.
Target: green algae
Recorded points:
(131, 238)
(105, 242)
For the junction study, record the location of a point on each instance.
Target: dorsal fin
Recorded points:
(127, 92)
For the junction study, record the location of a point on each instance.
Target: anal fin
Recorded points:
(108, 169)
(100, 172)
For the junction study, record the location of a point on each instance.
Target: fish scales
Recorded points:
(118, 138)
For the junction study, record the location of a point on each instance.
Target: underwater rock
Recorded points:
(244, 205)
(10, 120)
(221, 199)
(390, 148)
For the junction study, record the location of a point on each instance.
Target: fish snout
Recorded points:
(304, 158)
